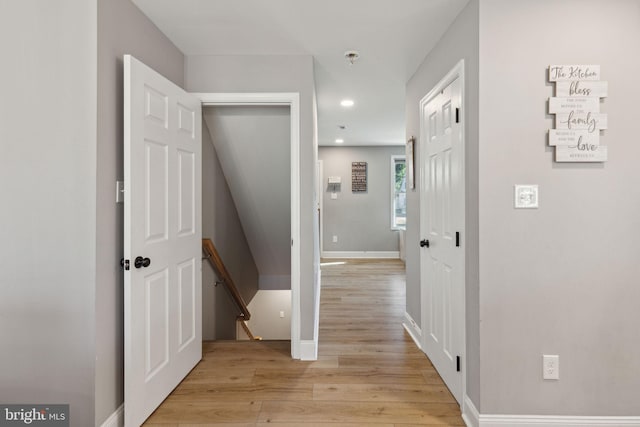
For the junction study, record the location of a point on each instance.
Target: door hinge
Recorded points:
(457, 115)
(119, 191)
(457, 239)
(125, 264)
(457, 363)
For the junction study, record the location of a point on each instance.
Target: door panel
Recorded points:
(447, 312)
(187, 287)
(156, 322)
(156, 191)
(442, 198)
(163, 291)
(187, 196)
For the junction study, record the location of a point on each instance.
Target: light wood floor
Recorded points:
(369, 371)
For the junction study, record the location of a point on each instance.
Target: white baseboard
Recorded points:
(556, 421)
(116, 419)
(308, 350)
(413, 329)
(361, 254)
(472, 418)
(470, 414)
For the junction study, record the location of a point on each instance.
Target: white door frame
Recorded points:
(455, 73)
(291, 99)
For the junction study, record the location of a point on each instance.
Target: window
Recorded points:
(398, 193)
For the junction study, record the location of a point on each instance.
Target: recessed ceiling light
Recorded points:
(347, 102)
(339, 141)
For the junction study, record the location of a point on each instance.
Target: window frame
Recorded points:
(392, 181)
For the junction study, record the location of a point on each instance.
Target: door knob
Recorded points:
(141, 262)
(423, 243)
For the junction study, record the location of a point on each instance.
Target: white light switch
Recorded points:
(334, 196)
(526, 196)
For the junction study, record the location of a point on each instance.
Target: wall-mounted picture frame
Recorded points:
(411, 182)
(359, 177)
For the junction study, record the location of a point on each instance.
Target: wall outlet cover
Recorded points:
(526, 196)
(550, 367)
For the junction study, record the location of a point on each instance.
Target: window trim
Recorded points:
(392, 187)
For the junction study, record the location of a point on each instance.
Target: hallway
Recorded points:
(368, 373)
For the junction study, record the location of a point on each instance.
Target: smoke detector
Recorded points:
(352, 56)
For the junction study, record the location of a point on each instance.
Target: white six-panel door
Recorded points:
(442, 216)
(162, 222)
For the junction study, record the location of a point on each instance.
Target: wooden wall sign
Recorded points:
(572, 137)
(578, 123)
(577, 105)
(359, 177)
(582, 88)
(572, 73)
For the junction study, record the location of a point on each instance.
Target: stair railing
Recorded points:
(224, 278)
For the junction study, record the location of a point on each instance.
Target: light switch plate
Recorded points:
(334, 196)
(526, 197)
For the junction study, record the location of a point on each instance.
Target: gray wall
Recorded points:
(48, 214)
(122, 29)
(221, 223)
(362, 221)
(254, 147)
(562, 279)
(238, 73)
(459, 42)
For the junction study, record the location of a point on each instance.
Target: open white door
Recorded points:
(442, 225)
(162, 238)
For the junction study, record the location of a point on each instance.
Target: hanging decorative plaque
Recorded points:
(359, 177)
(578, 123)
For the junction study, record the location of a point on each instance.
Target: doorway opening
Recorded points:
(292, 101)
(247, 213)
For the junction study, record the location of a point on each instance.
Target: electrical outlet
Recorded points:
(335, 239)
(550, 367)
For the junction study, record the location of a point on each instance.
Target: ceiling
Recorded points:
(391, 36)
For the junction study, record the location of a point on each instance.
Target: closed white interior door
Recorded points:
(162, 222)
(442, 216)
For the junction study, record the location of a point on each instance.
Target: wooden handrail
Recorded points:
(247, 331)
(224, 277)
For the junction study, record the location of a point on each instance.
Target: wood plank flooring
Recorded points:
(369, 371)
